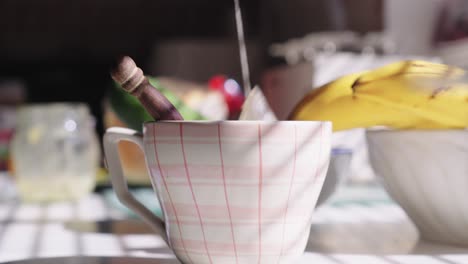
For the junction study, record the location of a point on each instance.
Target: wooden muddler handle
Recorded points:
(131, 78)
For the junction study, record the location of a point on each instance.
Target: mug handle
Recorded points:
(112, 137)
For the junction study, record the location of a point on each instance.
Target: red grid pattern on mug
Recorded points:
(228, 199)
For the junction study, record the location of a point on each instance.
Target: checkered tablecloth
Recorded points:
(357, 225)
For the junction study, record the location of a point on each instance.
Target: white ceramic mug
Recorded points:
(231, 191)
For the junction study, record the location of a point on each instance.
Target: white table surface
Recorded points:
(358, 225)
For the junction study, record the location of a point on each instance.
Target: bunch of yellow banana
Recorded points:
(403, 95)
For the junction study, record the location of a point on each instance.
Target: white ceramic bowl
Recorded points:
(426, 172)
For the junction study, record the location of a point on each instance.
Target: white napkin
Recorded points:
(256, 107)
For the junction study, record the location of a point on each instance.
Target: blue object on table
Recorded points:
(340, 161)
(146, 196)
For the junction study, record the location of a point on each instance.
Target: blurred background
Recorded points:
(56, 51)
(59, 51)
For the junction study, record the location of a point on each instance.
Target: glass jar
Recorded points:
(55, 152)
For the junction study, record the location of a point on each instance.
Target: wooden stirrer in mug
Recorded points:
(126, 73)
